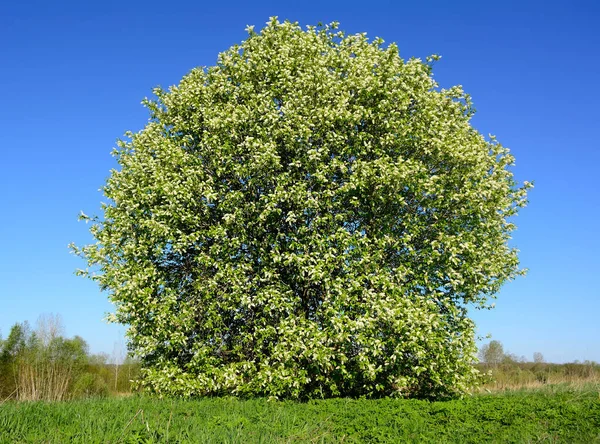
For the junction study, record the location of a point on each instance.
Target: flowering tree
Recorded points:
(310, 217)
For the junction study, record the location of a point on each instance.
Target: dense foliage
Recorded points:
(309, 217)
(537, 416)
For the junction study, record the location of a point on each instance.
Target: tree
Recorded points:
(538, 358)
(493, 353)
(12, 347)
(49, 326)
(310, 217)
(16, 342)
(117, 357)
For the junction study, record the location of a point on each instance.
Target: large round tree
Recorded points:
(310, 217)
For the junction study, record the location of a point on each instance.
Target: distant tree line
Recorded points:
(42, 364)
(493, 353)
(507, 370)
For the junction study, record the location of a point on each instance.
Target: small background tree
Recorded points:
(12, 348)
(310, 217)
(492, 353)
(117, 357)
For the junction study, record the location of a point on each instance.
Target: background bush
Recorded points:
(41, 364)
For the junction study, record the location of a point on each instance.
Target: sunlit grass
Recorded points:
(555, 413)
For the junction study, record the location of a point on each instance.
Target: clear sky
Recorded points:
(73, 73)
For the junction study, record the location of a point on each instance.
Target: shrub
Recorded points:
(90, 385)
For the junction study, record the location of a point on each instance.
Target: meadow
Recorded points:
(556, 413)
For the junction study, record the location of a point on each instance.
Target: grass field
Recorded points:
(554, 414)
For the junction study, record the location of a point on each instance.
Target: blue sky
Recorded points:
(73, 74)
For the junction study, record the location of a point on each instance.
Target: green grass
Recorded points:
(550, 415)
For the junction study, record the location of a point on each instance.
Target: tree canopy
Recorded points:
(311, 216)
